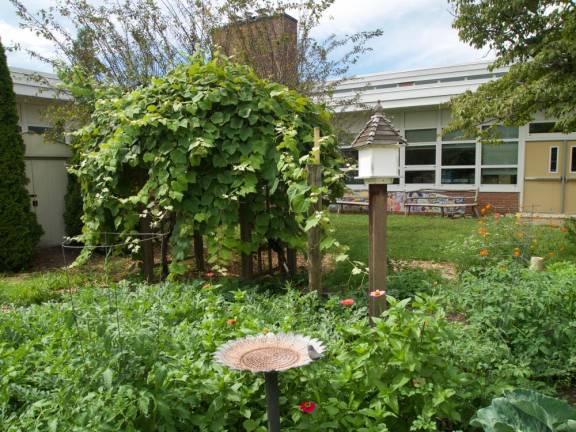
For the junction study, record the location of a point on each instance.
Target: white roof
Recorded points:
(36, 84)
(414, 88)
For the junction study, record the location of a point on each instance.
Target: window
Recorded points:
(421, 135)
(351, 161)
(499, 176)
(458, 176)
(573, 159)
(553, 167)
(421, 155)
(423, 177)
(541, 127)
(456, 135)
(459, 154)
(38, 129)
(504, 132)
(505, 153)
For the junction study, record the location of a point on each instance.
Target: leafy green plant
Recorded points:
(530, 316)
(498, 238)
(526, 411)
(19, 230)
(138, 357)
(202, 142)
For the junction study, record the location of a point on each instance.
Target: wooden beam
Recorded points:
(377, 261)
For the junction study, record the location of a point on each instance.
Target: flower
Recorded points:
(347, 302)
(563, 229)
(551, 254)
(516, 252)
(209, 274)
(482, 231)
(231, 321)
(206, 286)
(483, 211)
(488, 206)
(483, 252)
(307, 407)
(377, 293)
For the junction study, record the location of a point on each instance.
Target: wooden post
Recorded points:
(314, 256)
(246, 271)
(272, 401)
(199, 251)
(147, 249)
(291, 259)
(378, 196)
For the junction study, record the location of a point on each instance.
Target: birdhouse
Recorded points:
(378, 146)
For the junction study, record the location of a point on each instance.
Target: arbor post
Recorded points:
(378, 196)
(147, 249)
(314, 234)
(246, 271)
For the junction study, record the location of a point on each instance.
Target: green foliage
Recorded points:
(497, 238)
(522, 322)
(198, 143)
(526, 411)
(537, 40)
(19, 230)
(411, 282)
(140, 358)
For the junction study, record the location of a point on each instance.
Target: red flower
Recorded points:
(231, 321)
(209, 274)
(347, 302)
(307, 407)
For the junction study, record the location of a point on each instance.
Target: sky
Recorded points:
(417, 34)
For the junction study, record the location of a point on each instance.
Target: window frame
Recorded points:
(557, 148)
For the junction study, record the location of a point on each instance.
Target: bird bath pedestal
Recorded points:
(270, 353)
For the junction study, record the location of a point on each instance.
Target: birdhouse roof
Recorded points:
(378, 130)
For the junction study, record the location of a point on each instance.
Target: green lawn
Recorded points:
(409, 237)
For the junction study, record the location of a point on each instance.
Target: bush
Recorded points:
(500, 238)
(73, 207)
(140, 358)
(527, 318)
(19, 230)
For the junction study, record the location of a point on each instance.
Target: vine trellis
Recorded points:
(202, 151)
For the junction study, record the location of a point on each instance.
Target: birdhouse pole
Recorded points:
(378, 146)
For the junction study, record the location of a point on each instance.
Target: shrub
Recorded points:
(140, 358)
(19, 230)
(73, 207)
(498, 238)
(528, 317)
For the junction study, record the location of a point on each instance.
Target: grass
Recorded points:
(409, 238)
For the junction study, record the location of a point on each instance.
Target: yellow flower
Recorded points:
(483, 231)
(517, 252)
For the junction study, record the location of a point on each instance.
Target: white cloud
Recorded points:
(27, 40)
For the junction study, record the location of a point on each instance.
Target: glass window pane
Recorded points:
(541, 127)
(456, 135)
(505, 132)
(427, 177)
(421, 155)
(499, 176)
(573, 159)
(38, 129)
(553, 159)
(505, 153)
(421, 135)
(458, 176)
(459, 154)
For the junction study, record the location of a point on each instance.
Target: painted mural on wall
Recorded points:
(396, 201)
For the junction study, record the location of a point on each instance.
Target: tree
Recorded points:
(202, 142)
(537, 40)
(127, 43)
(19, 230)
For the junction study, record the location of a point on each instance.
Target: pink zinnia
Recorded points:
(347, 302)
(307, 407)
(377, 293)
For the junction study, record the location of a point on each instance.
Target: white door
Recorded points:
(47, 186)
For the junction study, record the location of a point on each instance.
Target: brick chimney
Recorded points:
(267, 43)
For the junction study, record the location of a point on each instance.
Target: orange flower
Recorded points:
(483, 252)
(347, 302)
(482, 211)
(377, 293)
(488, 206)
(483, 231)
(517, 252)
(231, 321)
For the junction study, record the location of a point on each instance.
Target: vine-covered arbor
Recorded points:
(200, 150)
